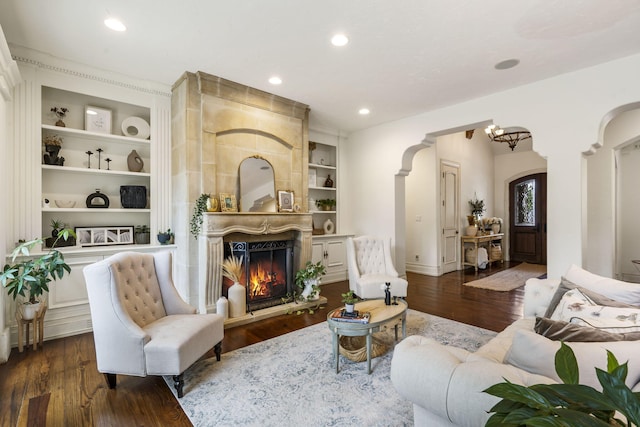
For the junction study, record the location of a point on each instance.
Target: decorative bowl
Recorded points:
(65, 203)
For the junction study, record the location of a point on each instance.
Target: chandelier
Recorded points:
(496, 133)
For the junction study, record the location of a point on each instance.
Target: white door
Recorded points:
(449, 214)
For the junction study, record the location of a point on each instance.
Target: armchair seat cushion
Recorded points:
(178, 341)
(370, 286)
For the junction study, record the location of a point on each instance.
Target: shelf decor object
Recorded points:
(134, 162)
(285, 201)
(97, 200)
(104, 236)
(97, 119)
(136, 127)
(228, 203)
(133, 196)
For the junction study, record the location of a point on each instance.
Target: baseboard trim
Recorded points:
(422, 269)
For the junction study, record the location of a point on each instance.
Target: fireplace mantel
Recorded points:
(218, 225)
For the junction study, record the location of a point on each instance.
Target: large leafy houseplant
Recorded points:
(568, 404)
(308, 279)
(30, 276)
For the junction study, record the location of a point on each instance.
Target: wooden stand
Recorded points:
(38, 327)
(483, 241)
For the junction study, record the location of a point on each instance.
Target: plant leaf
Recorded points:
(624, 399)
(497, 420)
(612, 362)
(580, 396)
(567, 365)
(518, 393)
(577, 418)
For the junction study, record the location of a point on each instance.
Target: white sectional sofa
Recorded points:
(445, 384)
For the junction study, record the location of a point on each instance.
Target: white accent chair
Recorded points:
(370, 266)
(141, 326)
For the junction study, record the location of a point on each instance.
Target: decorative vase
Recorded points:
(134, 162)
(471, 230)
(237, 300)
(222, 307)
(133, 196)
(142, 238)
(212, 204)
(60, 123)
(164, 238)
(308, 292)
(329, 227)
(97, 200)
(328, 182)
(495, 228)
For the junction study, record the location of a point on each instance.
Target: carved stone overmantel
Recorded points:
(218, 225)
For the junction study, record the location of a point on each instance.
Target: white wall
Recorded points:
(567, 114)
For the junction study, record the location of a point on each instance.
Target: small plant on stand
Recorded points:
(165, 237)
(349, 300)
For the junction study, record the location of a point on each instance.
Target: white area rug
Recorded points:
(291, 380)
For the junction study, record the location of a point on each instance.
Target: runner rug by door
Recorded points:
(512, 278)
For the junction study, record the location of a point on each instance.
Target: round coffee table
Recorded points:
(380, 314)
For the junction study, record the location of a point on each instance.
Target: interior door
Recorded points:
(528, 219)
(449, 215)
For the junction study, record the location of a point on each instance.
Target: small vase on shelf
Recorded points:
(328, 182)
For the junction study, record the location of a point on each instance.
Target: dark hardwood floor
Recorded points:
(58, 385)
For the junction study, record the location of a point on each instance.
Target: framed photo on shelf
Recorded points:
(97, 119)
(228, 203)
(285, 201)
(104, 236)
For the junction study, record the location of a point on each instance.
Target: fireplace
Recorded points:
(268, 271)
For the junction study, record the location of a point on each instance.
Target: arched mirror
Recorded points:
(257, 186)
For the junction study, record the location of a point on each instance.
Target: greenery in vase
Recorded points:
(232, 268)
(477, 206)
(329, 203)
(60, 112)
(310, 271)
(30, 278)
(139, 229)
(198, 210)
(568, 404)
(56, 226)
(349, 298)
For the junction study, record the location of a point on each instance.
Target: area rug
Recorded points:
(512, 278)
(291, 380)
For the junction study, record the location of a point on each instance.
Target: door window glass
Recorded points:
(525, 204)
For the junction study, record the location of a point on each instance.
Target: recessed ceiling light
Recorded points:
(506, 64)
(339, 40)
(115, 24)
(363, 111)
(275, 80)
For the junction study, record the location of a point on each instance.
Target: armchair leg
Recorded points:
(178, 382)
(111, 380)
(217, 349)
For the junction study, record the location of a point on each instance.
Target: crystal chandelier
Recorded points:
(496, 133)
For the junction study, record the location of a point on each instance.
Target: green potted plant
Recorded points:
(204, 203)
(326, 204)
(165, 237)
(29, 277)
(349, 300)
(308, 280)
(570, 403)
(56, 227)
(142, 234)
(477, 207)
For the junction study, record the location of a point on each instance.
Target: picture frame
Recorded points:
(104, 236)
(228, 202)
(285, 201)
(97, 119)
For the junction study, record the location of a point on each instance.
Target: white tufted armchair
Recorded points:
(141, 326)
(370, 266)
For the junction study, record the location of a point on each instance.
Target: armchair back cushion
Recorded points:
(371, 256)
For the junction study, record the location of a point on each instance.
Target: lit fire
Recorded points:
(261, 282)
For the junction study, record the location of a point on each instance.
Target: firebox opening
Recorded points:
(268, 271)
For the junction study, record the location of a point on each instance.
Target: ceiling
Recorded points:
(404, 57)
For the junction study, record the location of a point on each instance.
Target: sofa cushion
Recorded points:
(558, 330)
(618, 290)
(536, 354)
(576, 307)
(599, 298)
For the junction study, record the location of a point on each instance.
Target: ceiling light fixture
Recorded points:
(339, 40)
(115, 24)
(496, 133)
(363, 111)
(275, 80)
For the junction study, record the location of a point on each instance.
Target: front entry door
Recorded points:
(528, 219)
(449, 215)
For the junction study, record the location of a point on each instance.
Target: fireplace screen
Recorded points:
(268, 271)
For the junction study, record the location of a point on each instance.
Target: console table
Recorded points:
(491, 242)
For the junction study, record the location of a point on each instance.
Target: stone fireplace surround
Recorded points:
(215, 125)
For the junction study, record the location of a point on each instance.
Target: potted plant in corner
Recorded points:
(349, 300)
(29, 277)
(326, 204)
(308, 280)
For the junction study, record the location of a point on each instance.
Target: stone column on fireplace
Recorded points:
(267, 225)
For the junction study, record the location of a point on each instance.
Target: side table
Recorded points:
(38, 327)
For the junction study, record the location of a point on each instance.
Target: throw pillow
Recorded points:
(576, 307)
(536, 354)
(618, 290)
(558, 330)
(566, 285)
